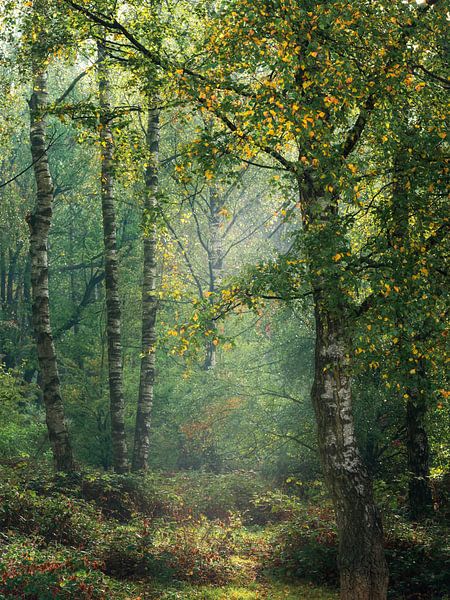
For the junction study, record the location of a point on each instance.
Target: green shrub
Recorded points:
(197, 550)
(32, 574)
(275, 506)
(418, 556)
(23, 424)
(129, 551)
(201, 550)
(211, 495)
(56, 518)
(418, 559)
(306, 546)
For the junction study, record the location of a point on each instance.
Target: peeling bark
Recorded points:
(39, 223)
(149, 300)
(362, 565)
(113, 308)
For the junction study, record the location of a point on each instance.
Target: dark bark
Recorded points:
(2, 276)
(419, 490)
(13, 257)
(418, 451)
(149, 299)
(39, 224)
(113, 308)
(89, 296)
(73, 293)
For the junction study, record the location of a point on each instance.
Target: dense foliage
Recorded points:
(223, 299)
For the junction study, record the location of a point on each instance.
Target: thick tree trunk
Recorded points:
(149, 299)
(215, 265)
(419, 491)
(363, 570)
(39, 223)
(113, 308)
(362, 565)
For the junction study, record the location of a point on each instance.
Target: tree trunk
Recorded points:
(419, 491)
(39, 223)
(73, 289)
(363, 570)
(149, 300)
(2, 276)
(26, 281)
(113, 308)
(13, 257)
(362, 566)
(215, 266)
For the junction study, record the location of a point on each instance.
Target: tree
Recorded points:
(149, 298)
(113, 309)
(39, 223)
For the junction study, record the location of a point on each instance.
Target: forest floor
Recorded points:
(188, 536)
(267, 590)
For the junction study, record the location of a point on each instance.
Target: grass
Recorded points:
(260, 591)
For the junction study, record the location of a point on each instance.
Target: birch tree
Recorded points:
(113, 308)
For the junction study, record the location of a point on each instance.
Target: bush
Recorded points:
(128, 552)
(55, 518)
(195, 550)
(30, 574)
(418, 556)
(205, 494)
(306, 546)
(200, 550)
(418, 559)
(274, 507)
(23, 424)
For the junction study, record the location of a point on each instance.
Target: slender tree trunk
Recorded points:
(73, 289)
(418, 451)
(13, 257)
(113, 308)
(362, 566)
(215, 266)
(149, 300)
(39, 223)
(2, 276)
(419, 491)
(26, 281)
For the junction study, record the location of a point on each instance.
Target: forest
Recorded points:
(224, 300)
